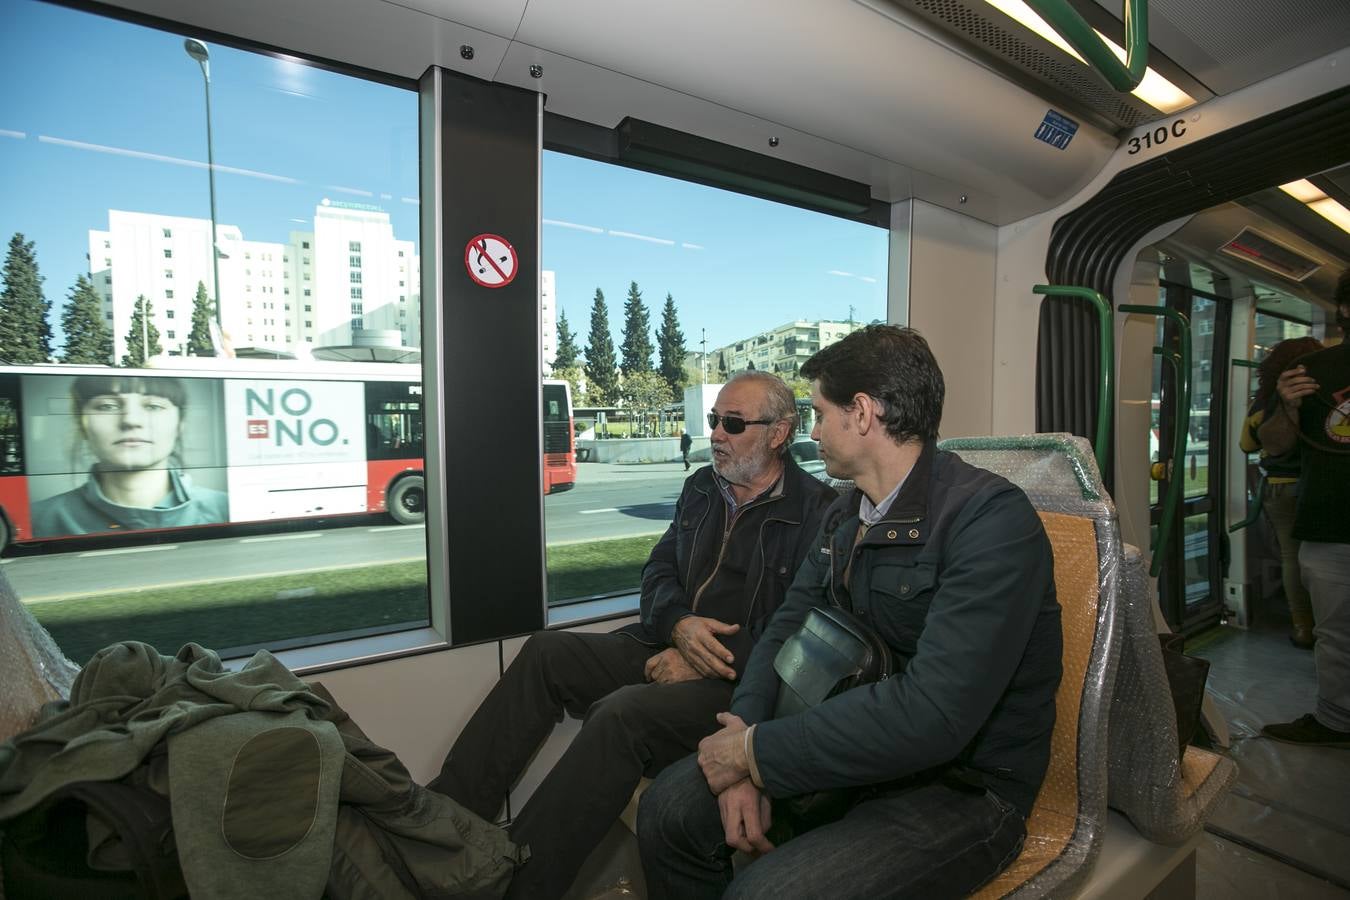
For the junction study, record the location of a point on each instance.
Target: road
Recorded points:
(609, 501)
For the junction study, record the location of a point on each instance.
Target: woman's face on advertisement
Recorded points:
(130, 431)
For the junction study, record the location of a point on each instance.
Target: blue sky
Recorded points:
(99, 114)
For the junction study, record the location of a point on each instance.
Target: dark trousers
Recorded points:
(631, 729)
(927, 840)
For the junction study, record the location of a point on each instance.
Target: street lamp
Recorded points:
(197, 50)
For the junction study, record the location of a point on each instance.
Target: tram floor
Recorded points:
(1289, 801)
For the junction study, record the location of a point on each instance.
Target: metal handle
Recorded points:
(1062, 17)
(1181, 364)
(1254, 511)
(1106, 383)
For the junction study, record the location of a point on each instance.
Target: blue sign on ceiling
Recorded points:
(1056, 129)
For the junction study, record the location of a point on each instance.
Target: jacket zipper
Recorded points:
(754, 597)
(721, 551)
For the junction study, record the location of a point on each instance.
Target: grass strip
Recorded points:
(267, 610)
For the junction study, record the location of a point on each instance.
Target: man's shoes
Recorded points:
(1301, 636)
(1308, 732)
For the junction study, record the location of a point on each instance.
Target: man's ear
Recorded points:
(863, 411)
(782, 433)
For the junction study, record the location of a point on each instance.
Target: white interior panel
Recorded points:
(951, 303)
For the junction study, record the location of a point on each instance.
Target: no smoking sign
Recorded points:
(491, 261)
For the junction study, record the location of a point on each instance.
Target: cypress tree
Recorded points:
(25, 333)
(88, 338)
(568, 353)
(199, 340)
(602, 378)
(637, 338)
(142, 341)
(670, 344)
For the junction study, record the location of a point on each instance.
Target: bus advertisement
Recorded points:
(96, 451)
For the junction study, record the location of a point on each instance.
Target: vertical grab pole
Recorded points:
(1181, 363)
(1107, 347)
(1255, 512)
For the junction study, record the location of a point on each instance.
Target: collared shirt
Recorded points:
(730, 496)
(869, 514)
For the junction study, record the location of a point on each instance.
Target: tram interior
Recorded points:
(926, 105)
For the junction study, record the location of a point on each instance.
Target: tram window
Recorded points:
(233, 503)
(747, 284)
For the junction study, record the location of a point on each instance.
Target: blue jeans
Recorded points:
(1326, 572)
(924, 840)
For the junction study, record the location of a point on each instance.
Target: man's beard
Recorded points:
(745, 469)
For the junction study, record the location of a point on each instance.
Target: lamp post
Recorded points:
(197, 50)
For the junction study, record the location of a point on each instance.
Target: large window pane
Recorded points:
(159, 490)
(747, 283)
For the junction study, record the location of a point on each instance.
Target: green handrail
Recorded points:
(1107, 342)
(1062, 17)
(1181, 364)
(1254, 512)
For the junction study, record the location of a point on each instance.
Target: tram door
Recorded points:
(1190, 584)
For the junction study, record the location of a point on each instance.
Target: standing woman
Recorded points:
(132, 426)
(1282, 472)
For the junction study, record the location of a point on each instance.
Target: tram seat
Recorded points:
(33, 670)
(1166, 798)
(1067, 823)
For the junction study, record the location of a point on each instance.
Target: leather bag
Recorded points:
(832, 652)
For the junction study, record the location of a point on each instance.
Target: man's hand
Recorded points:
(746, 815)
(1293, 386)
(721, 756)
(696, 639)
(669, 667)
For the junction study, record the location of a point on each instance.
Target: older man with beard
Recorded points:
(651, 691)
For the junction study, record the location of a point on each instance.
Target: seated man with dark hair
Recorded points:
(649, 692)
(951, 566)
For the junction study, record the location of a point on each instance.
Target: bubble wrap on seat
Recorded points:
(1166, 799)
(33, 670)
(1064, 832)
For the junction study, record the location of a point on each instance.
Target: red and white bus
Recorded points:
(88, 450)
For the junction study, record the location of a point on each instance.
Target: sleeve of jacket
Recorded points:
(996, 573)
(1248, 440)
(663, 601)
(757, 692)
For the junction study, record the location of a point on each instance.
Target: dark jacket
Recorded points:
(772, 535)
(958, 579)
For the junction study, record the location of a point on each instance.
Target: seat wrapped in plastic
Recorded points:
(33, 670)
(1167, 799)
(1064, 831)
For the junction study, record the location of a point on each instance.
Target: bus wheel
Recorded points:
(4, 534)
(408, 501)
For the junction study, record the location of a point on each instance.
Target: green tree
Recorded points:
(25, 333)
(574, 376)
(568, 354)
(142, 337)
(88, 338)
(637, 334)
(645, 392)
(203, 311)
(670, 347)
(600, 369)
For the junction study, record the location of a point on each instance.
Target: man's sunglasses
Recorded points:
(734, 424)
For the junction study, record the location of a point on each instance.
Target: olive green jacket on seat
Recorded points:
(272, 786)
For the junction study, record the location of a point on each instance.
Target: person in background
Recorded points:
(132, 426)
(1280, 500)
(685, 443)
(1314, 412)
(651, 690)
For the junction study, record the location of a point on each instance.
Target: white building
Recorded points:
(781, 350)
(349, 273)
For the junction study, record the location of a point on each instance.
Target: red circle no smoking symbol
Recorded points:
(491, 260)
